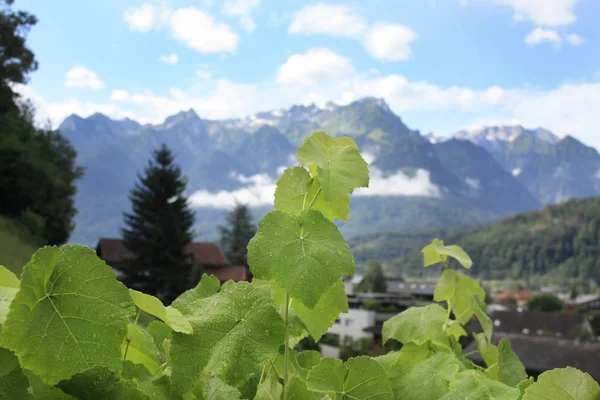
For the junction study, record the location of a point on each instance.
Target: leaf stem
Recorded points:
(314, 198)
(128, 339)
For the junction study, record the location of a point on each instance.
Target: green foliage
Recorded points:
(237, 233)
(70, 331)
(545, 302)
(158, 230)
(373, 280)
(18, 244)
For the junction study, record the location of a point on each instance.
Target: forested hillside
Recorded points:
(17, 244)
(560, 242)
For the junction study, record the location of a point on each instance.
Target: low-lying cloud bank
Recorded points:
(258, 189)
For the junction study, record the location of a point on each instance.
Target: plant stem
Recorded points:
(128, 339)
(286, 349)
(314, 198)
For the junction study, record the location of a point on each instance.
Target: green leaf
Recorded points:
(429, 379)
(41, 391)
(297, 390)
(339, 165)
(208, 285)
(269, 389)
(13, 382)
(436, 252)
(460, 292)
(488, 351)
(297, 190)
(360, 378)
(9, 286)
(319, 319)
(213, 388)
(101, 384)
(70, 314)
(563, 384)
(161, 336)
(510, 369)
(305, 361)
(305, 254)
(417, 324)
(154, 387)
(169, 315)
(139, 348)
(485, 321)
(8, 278)
(524, 384)
(471, 384)
(236, 331)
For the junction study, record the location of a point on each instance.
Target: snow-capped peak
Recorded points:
(509, 133)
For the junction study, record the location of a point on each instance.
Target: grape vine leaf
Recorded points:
(339, 166)
(510, 369)
(155, 387)
(296, 190)
(305, 254)
(213, 388)
(70, 314)
(13, 382)
(99, 383)
(44, 392)
(436, 252)
(139, 348)
(524, 384)
(9, 286)
(305, 361)
(417, 324)
(360, 378)
(460, 291)
(319, 319)
(269, 389)
(563, 384)
(488, 351)
(470, 384)
(297, 390)
(429, 379)
(161, 335)
(236, 331)
(169, 315)
(208, 285)
(8, 278)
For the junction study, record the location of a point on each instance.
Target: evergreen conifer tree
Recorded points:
(237, 233)
(158, 230)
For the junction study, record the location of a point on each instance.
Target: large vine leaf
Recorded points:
(339, 166)
(296, 190)
(269, 389)
(99, 383)
(41, 391)
(488, 351)
(139, 348)
(213, 388)
(13, 382)
(208, 285)
(305, 254)
(472, 384)
(9, 286)
(155, 387)
(510, 369)
(360, 378)
(417, 324)
(70, 314)
(462, 292)
(236, 331)
(563, 384)
(297, 390)
(429, 379)
(436, 252)
(169, 315)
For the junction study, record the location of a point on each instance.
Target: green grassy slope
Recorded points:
(17, 245)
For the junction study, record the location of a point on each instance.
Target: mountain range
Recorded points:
(416, 180)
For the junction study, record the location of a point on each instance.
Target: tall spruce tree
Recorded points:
(237, 233)
(158, 230)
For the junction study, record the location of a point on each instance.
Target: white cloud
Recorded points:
(142, 18)
(119, 95)
(248, 24)
(315, 67)
(399, 184)
(575, 40)
(239, 7)
(204, 75)
(495, 94)
(170, 59)
(539, 35)
(258, 191)
(201, 32)
(542, 12)
(335, 20)
(390, 42)
(80, 76)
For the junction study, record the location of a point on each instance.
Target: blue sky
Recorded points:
(440, 64)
